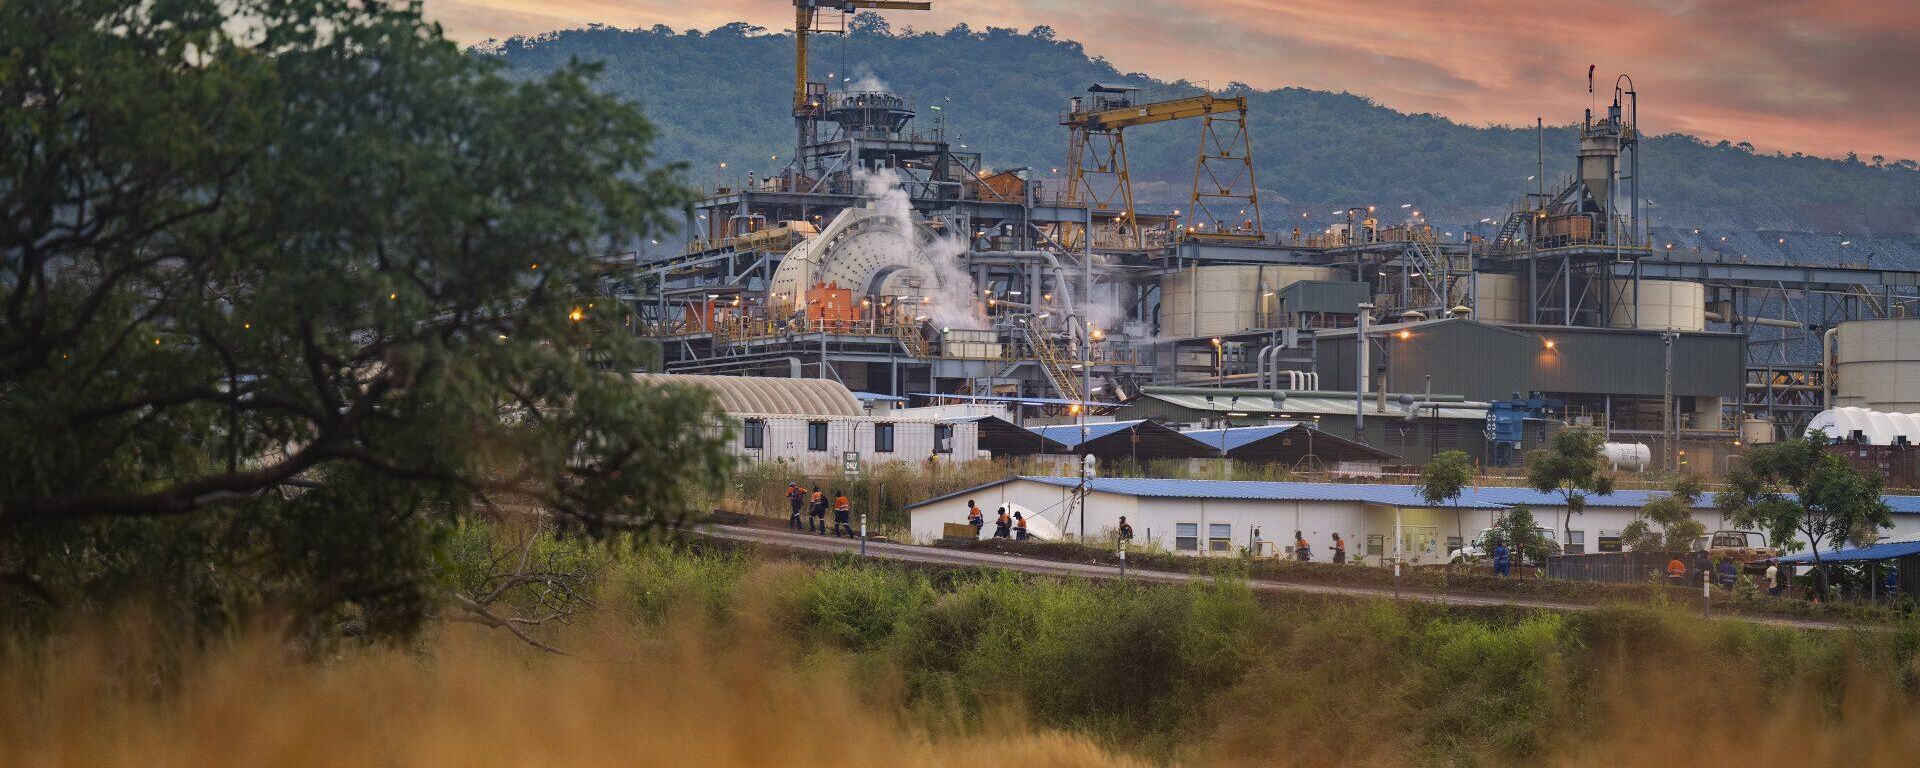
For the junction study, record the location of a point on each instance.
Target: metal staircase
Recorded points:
(1048, 357)
(1507, 240)
(910, 339)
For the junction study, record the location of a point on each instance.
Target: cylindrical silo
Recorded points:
(1494, 298)
(1203, 301)
(1664, 305)
(1877, 364)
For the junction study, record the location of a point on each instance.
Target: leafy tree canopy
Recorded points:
(1521, 532)
(286, 288)
(1666, 523)
(1571, 465)
(1443, 478)
(1797, 490)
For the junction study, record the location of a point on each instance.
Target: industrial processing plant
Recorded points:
(889, 257)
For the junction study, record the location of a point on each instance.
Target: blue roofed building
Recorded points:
(1223, 517)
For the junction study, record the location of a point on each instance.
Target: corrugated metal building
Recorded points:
(813, 423)
(1604, 371)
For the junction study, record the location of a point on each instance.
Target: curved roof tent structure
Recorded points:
(1878, 427)
(767, 396)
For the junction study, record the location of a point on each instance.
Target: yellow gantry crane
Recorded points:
(1222, 175)
(809, 98)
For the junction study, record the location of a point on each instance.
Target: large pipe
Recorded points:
(1360, 381)
(1766, 321)
(1826, 366)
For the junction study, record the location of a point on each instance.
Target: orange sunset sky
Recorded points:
(1818, 76)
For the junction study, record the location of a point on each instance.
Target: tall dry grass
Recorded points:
(478, 699)
(728, 659)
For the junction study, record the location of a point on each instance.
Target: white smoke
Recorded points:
(863, 79)
(1106, 310)
(951, 301)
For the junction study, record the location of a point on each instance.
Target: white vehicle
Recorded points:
(1482, 546)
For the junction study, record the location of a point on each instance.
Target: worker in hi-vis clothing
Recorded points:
(795, 497)
(842, 509)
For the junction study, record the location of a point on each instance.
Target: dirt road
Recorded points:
(960, 559)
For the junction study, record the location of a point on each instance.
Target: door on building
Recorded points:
(1421, 544)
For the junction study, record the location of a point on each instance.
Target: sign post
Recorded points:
(850, 472)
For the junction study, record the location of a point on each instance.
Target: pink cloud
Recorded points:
(1818, 76)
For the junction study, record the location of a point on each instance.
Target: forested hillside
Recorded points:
(722, 95)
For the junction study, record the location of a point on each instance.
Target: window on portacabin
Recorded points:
(883, 438)
(816, 435)
(754, 434)
(1186, 537)
(1220, 537)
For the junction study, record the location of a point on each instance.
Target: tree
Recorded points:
(1570, 465)
(1796, 490)
(287, 289)
(1672, 513)
(1521, 532)
(870, 24)
(1443, 479)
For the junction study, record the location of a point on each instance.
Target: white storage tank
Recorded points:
(1494, 298)
(1664, 305)
(1756, 431)
(1632, 457)
(1205, 301)
(1877, 364)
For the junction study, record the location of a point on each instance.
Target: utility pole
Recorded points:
(1086, 359)
(1360, 382)
(1666, 402)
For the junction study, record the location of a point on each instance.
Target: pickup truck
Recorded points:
(1749, 548)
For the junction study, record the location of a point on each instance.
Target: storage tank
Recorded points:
(1756, 431)
(1877, 364)
(1632, 457)
(1664, 305)
(1204, 301)
(1495, 298)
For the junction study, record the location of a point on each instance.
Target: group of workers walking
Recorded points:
(816, 503)
(1303, 551)
(1005, 526)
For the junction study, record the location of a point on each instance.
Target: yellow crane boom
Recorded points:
(1157, 112)
(806, 14)
(1222, 168)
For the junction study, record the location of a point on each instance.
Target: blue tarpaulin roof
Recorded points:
(1069, 434)
(1391, 495)
(1888, 551)
(1234, 437)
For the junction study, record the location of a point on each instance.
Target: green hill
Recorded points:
(722, 95)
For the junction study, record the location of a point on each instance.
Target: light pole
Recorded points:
(1360, 380)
